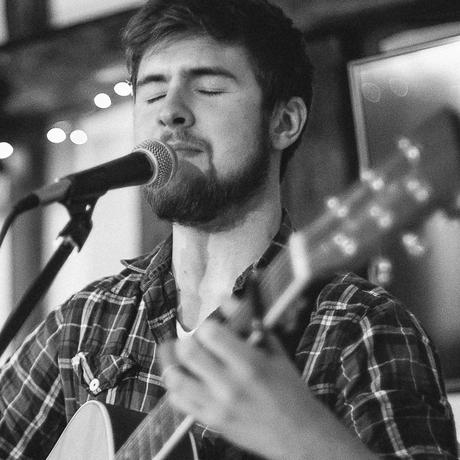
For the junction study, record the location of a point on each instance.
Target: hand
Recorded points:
(255, 398)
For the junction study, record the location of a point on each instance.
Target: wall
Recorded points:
(116, 232)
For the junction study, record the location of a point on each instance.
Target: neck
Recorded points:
(206, 262)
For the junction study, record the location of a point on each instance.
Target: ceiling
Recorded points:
(60, 69)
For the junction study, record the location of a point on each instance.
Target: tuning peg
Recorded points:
(413, 244)
(339, 209)
(420, 191)
(409, 150)
(348, 246)
(375, 182)
(380, 271)
(383, 218)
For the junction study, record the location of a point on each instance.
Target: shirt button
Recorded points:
(94, 385)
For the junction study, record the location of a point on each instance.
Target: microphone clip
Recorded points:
(77, 230)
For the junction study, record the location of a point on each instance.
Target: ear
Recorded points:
(288, 120)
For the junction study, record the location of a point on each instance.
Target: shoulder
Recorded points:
(355, 299)
(352, 314)
(348, 290)
(106, 296)
(366, 322)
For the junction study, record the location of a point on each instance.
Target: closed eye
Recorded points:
(151, 100)
(211, 92)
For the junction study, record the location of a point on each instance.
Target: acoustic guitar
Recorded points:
(421, 176)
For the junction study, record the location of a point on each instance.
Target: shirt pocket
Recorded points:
(97, 373)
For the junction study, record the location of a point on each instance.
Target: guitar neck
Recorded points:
(158, 433)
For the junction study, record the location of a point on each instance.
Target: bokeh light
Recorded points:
(56, 135)
(102, 100)
(78, 137)
(6, 150)
(123, 88)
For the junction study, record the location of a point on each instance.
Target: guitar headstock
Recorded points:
(421, 176)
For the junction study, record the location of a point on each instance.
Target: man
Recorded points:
(226, 84)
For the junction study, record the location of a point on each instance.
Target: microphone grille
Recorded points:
(164, 159)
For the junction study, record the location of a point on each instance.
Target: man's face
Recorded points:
(201, 97)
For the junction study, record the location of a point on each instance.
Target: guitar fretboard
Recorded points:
(152, 433)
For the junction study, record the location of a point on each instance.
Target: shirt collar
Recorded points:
(159, 260)
(278, 242)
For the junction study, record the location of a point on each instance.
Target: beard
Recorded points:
(198, 198)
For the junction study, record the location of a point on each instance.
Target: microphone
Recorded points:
(151, 162)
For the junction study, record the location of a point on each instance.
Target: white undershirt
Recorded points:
(181, 332)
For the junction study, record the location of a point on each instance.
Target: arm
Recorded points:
(256, 399)
(392, 394)
(31, 402)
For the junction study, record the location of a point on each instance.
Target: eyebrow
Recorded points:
(195, 72)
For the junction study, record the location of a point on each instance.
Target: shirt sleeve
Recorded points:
(391, 391)
(32, 411)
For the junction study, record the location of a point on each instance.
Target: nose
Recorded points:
(175, 112)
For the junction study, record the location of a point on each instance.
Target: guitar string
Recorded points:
(162, 411)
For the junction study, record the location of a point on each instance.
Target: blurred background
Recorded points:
(382, 67)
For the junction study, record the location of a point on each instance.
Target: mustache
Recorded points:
(186, 137)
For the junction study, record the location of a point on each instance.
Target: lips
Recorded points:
(185, 148)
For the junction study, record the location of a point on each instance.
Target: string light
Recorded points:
(6, 150)
(78, 137)
(102, 100)
(123, 88)
(56, 135)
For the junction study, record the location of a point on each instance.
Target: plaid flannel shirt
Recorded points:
(360, 352)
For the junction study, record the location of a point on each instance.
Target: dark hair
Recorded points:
(281, 65)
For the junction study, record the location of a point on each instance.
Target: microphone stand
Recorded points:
(74, 235)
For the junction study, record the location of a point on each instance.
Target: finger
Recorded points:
(231, 307)
(233, 351)
(184, 391)
(199, 387)
(225, 345)
(192, 358)
(200, 361)
(191, 397)
(167, 355)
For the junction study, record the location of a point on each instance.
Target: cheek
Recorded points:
(144, 126)
(234, 154)
(242, 125)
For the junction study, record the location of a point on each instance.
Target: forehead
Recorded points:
(179, 54)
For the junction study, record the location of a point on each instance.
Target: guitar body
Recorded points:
(97, 431)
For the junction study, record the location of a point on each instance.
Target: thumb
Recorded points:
(167, 355)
